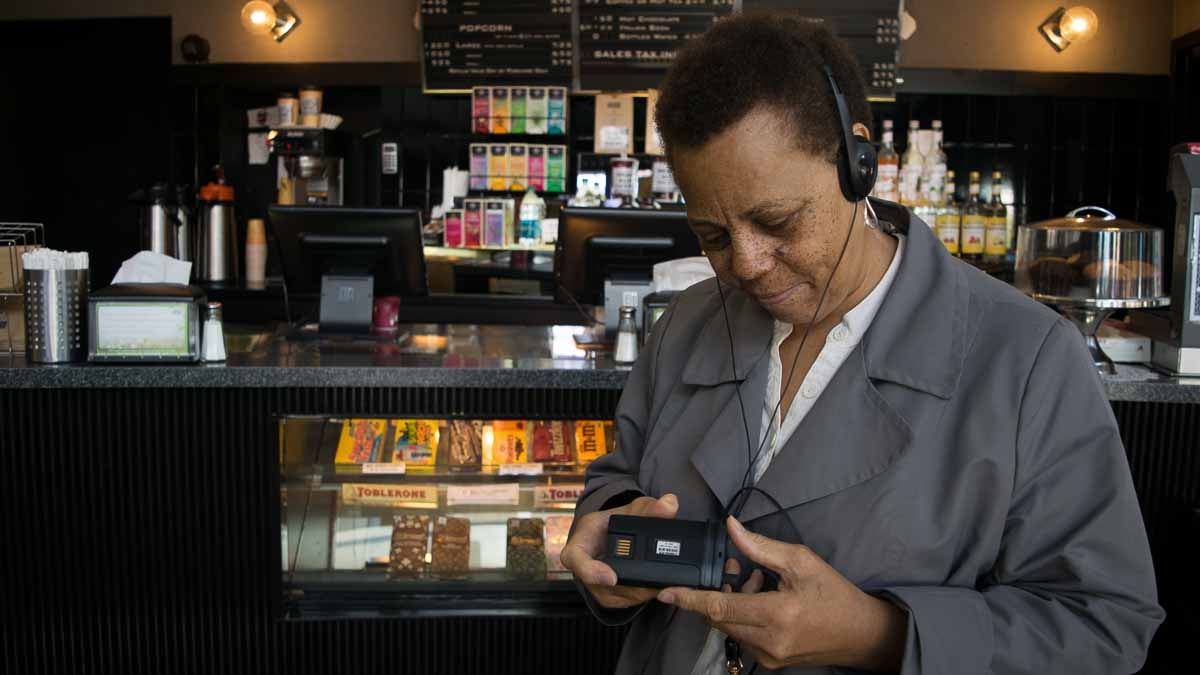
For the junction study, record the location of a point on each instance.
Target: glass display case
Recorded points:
(429, 517)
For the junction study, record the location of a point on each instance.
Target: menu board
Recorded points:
(628, 44)
(870, 27)
(478, 42)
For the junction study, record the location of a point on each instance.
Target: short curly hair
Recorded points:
(765, 59)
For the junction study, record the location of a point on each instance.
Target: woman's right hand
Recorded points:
(587, 544)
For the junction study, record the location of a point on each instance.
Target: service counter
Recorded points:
(140, 494)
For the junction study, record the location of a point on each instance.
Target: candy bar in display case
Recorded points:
(416, 441)
(362, 442)
(410, 542)
(592, 439)
(463, 443)
(510, 442)
(551, 442)
(451, 556)
(557, 530)
(526, 557)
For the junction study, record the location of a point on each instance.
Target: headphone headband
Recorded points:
(857, 163)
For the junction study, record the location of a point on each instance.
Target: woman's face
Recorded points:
(771, 218)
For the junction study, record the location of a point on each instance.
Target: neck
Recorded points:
(876, 249)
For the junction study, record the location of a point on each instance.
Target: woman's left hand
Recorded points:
(817, 617)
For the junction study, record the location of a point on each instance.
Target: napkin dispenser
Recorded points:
(154, 323)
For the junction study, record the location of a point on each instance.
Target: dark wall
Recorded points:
(83, 123)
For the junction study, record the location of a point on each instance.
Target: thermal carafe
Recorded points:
(158, 222)
(216, 247)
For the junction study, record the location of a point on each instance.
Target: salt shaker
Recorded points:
(214, 334)
(627, 346)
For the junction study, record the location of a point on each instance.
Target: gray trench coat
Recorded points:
(964, 462)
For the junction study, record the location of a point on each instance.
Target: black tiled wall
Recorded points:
(1058, 152)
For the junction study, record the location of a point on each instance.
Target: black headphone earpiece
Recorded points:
(857, 162)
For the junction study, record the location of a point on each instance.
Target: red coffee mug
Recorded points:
(385, 314)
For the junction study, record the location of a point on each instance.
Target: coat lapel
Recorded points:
(851, 435)
(721, 455)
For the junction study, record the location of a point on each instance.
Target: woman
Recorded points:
(952, 492)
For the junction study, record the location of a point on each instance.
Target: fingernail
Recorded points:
(673, 499)
(666, 597)
(733, 522)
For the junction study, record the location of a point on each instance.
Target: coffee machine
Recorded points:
(309, 166)
(1179, 352)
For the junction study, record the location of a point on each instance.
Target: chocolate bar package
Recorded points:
(361, 442)
(591, 439)
(451, 547)
(526, 556)
(463, 443)
(551, 442)
(557, 530)
(410, 542)
(416, 441)
(510, 442)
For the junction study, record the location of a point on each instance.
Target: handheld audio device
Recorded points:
(659, 552)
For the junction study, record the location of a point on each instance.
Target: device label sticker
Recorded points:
(664, 547)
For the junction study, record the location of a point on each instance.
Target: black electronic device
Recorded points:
(662, 552)
(603, 253)
(348, 255)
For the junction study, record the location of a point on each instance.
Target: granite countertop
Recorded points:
(441, 355)
(454, 355)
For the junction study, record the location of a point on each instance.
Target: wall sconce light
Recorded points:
(1065, 26)
(263, 18)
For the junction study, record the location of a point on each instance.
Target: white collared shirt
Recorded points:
(775, 431)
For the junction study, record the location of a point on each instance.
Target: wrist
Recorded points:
(879, 633)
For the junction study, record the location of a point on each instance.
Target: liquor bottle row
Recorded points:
(977, 230)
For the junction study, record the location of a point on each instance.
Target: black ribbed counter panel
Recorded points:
(141, 535)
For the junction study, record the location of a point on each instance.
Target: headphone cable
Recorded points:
(787, 381)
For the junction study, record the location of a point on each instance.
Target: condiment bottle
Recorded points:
(214, 334)
(627, 344)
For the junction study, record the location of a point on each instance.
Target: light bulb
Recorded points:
(1078, 23)
(258, 17)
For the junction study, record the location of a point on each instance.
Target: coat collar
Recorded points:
(917, 339)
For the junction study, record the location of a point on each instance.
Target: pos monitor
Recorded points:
(602, 254)
(348, 255)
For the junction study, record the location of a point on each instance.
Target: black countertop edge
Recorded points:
(222, 376)
(1132, 383)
